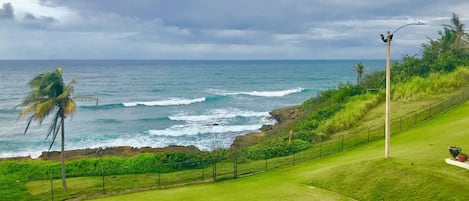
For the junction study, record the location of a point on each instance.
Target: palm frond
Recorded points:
(43, 109)
(31, 99)
(86, 98)
(66, 92)
(26, 111)
(53, 126)
(37, 81)
(27, 125)
(59, 70)
(69, 107)
(54, 136)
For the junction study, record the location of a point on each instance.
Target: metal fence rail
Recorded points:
(106, 180)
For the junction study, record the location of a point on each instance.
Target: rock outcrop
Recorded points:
(114, 151)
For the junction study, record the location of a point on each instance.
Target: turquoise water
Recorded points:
(159, 103)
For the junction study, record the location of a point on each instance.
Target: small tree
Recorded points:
(50, 94)
(359, 69)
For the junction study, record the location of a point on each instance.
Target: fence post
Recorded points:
(102, 177)
(320, 149)
(266, 164)
(235, 165)
(158, 172)
(294, 158)
(368, 134)
(430, 110)
(400, 124)
(463, 97)
(203, 170)
(343, 143)
(451, 102)
(415, 117)
(443, 104)
(159, 178)
(214, 170)
(384, 130)
(51, 187)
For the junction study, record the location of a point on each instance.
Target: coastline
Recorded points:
(125, 151)
(284, 116)
(281, 115)
(152, 117)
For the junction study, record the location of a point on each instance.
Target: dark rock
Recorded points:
(125, 151)
(266, 128)
(20, 158)
(286, 114)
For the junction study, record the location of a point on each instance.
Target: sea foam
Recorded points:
(260, 93)
(197, 129)
(217, 114)
(168, 102)
(224, 120)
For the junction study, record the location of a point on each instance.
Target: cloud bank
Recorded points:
(214, 29)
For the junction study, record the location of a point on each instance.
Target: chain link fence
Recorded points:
(108, 181)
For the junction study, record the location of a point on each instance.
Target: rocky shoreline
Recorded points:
(126, 151)
(282, 116)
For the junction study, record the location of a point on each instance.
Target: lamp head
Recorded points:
(384, 39)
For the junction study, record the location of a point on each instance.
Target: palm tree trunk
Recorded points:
(62, 153)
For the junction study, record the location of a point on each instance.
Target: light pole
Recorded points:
(387, 129)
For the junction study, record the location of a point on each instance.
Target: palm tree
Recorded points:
(457, 29)
(49, 94)
(359, 69)
(461, 39)
(452, 39)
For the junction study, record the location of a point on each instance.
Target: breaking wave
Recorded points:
(168, 102)
(261, 93)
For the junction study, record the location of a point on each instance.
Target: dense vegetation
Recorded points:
(441, 68)
(416, 171)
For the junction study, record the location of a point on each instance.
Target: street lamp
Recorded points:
(387, 40)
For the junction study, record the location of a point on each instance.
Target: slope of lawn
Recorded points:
(416, 171)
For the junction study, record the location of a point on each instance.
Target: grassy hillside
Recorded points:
(416, 171)
(28, 180)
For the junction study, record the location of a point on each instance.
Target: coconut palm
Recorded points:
(359, 69)
(49, 94)
(461, 38)
(452, 39)
(457, 30)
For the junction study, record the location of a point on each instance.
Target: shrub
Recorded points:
(433, 85)
(275, 148)
(352, 112)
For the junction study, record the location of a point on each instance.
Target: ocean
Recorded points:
(205, 103)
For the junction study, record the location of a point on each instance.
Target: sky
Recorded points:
(219, 29)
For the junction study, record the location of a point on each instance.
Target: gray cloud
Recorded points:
(6, 12)
(31, 17)
(281, 15)
(229, 29)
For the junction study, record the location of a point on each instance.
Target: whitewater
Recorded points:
(158, 103)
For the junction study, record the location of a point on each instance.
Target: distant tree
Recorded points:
(50, 94)
(359, 69)
(450, 49)
(458, 39)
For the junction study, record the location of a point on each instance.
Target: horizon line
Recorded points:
(188, 59)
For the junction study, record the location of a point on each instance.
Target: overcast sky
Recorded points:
(218, 29)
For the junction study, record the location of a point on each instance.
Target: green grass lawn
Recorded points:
(416, 171)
